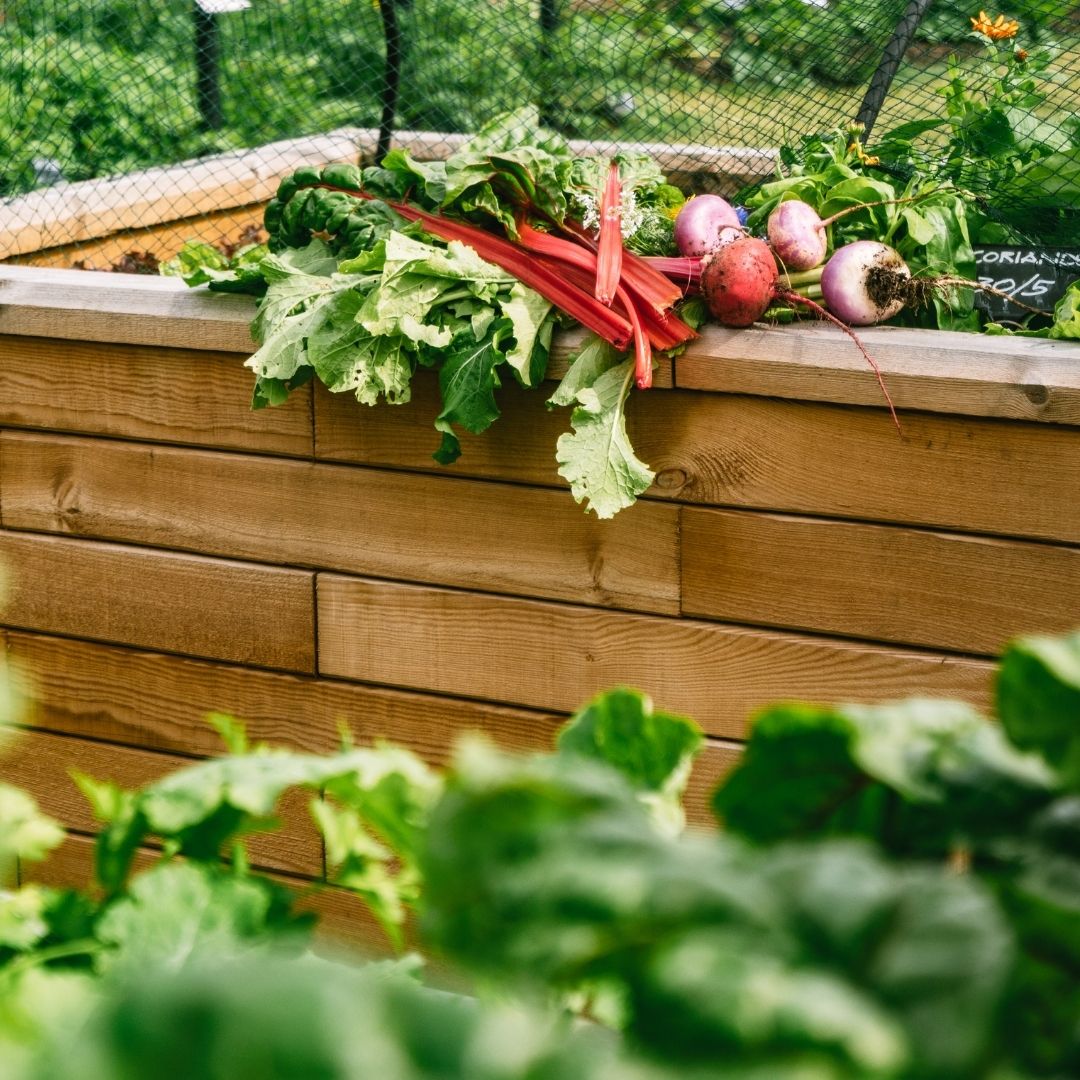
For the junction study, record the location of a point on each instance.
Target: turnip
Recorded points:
(701, 223)
(799, 235)
(865, 283)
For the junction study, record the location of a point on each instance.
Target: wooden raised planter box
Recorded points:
(170, 552)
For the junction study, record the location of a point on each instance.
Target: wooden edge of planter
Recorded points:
(76, 212)
(963, 374)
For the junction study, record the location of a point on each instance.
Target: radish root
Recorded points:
(795, 298)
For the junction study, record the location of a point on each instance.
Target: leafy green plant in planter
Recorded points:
(996, 140)
(896, 894)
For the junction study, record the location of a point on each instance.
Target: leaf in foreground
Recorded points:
(653, 750)
(916, 775)
(1038, 699)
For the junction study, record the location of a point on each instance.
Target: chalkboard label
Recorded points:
(1037, 276)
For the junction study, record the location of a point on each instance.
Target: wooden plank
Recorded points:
(76, 212)
(178, 603)
(161, 240)
(130, 308)
(967, 374)
(146, 699)
(492, 537)
(139, 392)
(765, 454)
(149, 700)
(554, 656)
(942, 590)
(947, 472)
(519, 446)
(42, 763)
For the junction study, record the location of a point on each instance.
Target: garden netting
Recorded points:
(94, 89)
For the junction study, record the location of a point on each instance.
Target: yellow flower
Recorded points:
(856, 148)
(995, 29)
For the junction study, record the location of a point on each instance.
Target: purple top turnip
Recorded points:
(865, 283)
(797, 235)
(701, 222)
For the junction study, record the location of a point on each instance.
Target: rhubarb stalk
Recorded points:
(610, 249)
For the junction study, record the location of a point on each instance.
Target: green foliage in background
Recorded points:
(896, 894)
(106, 86)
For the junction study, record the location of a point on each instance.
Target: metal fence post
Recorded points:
(391, 74)
(549, 23)
(890, 62)
(207, 68)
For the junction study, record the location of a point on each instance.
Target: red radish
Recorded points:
(739, 281)
(700, 223)
(865, 283)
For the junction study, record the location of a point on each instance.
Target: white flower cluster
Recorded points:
(632, 216)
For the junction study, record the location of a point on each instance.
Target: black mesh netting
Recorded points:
(92, 89)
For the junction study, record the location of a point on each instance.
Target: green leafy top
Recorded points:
(653, 750)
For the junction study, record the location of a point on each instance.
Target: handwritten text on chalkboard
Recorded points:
(1038, 277)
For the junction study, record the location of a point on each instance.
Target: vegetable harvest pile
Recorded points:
(466, 266)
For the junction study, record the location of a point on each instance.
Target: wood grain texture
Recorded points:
(138, 392)
(729, 450)
(941, 590)
(133, 309)
(149, 700)
(172, 602)
(162, 240)
(989, 476)
(42, 764)
(554, 656)
(490, 537)
(966, 374)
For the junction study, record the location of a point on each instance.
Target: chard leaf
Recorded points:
(587, 365)
(346, 356)
(468, 382)
(528, 313)
(432, 174)
(597, 458)
(300, 282)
